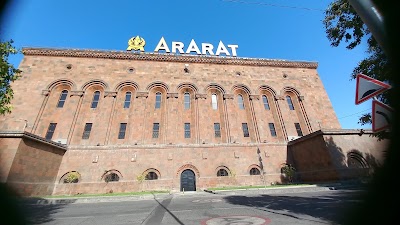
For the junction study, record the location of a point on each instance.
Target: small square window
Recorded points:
(217, 130)
(50, 131)
(156, 130)
(187, 130)
(272, 129)
(122, 131)
(245, 130)
(86, 131)
(298, 129)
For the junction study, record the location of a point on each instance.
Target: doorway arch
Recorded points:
(188, 180)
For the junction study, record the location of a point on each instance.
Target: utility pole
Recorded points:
(373, 19)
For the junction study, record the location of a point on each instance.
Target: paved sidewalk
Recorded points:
(252, 191)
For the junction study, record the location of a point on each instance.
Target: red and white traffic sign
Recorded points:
(368, 87)
(381, 116)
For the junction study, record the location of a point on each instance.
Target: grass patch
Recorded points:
(105, 194)
(256, 187)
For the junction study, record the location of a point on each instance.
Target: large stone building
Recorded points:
(88, 121)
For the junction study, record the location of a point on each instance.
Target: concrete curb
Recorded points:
(270, 190)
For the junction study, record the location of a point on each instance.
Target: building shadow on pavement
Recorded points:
(331, 207)
(25, 211)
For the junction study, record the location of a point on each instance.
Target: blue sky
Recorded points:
(273, 29)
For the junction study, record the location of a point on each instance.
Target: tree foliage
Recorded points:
(343, 24)
(8, 74)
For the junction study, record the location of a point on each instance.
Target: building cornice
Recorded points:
(27, 135)
(166, 57)
(323, 132)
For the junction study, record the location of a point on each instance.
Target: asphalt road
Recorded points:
(246, 208)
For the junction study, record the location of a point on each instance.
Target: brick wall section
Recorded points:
(324, 155)
(82, 72)
(38, 107)
(170, 162)
(8, 149)
(35, 166)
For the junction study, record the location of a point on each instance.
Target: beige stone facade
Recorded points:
(171, 107)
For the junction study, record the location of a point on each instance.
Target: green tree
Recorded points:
(343, 24)
(8, 74)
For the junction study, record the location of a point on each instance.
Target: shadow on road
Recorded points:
(24, 211)
(39, 210)
(330, 207)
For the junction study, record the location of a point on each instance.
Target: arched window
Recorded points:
(222, 173)
(214, 101)
(158, 100)
(62, 99)
(289, 102)
(111, 177)
(127, 101)
(151, 176)
(265, 102)
(70, 177)
(95, 100)
(240, 102)
(187, 100)
(254, 171)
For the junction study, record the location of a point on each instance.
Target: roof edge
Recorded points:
(322, 132)
(24, 134)
(185, 58)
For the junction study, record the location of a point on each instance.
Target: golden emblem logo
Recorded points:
(136, 43)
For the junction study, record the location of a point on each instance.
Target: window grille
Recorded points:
(217, 130)
(187, 100)
(187, 130)
(156, 130)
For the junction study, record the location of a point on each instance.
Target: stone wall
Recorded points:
(34, 165)
(331, 155)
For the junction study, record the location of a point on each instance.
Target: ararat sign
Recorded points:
(137, 43)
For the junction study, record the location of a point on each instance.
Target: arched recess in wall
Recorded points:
(357, 164)
(185, 167)
(64, 82)
(223, 171)
(217, 108)
(271, 112)
(70, 177)
(253, 170)
(245, 113)
(112, 175)
(122, 111)
(294, 101)
(189, 88)
(188, 112)
(91, 104)
(94, 92)
(156, 108)
(151, 174)
(56, 102)
(95, 82)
